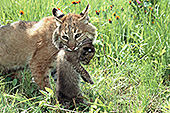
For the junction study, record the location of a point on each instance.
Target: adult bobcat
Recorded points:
(30, 43)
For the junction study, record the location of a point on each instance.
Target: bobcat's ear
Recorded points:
(84, 14)
(58, 14)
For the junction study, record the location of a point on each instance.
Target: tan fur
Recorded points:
(28, 43)
(23, 43)
(31, 44)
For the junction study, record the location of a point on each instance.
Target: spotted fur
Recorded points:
(30, 44)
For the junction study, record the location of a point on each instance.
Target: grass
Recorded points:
(131, 68)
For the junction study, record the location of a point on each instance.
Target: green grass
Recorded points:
(131, 68)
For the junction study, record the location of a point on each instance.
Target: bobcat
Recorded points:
(31, 44)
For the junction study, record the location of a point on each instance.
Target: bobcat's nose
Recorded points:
(72, 48)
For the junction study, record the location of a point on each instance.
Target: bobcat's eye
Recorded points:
(65, 37)
(77, 35)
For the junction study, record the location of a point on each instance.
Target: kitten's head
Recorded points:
(86, 52)
(72, 29)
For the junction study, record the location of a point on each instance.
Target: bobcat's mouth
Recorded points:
(72, 48)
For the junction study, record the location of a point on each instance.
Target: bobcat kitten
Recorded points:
(74, 57)
(74, 36)
(67, 79)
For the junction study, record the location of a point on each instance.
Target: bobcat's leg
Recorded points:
(40, 66)
(39, 71)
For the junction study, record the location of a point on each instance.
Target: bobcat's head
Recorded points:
(72, 29)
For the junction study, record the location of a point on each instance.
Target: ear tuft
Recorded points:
(85, 10)
(54, 10)
(84, 14)
(57, 13)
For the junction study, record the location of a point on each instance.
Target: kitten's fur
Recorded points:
(81, 55)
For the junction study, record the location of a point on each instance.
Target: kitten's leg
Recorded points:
(73, 59)
(85, 54)
(84, 74)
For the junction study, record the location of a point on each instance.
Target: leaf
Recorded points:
(110, 105)
(14, 82)
(49, 90)
(44, 93)
(163, 51)
(96, 100)
(98, 110)
(41, 103)
(94, 106)
(169, 65)
(124, 48)
(32, 89)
